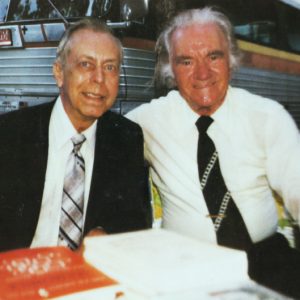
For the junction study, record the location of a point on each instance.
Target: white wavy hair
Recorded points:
(164, 76)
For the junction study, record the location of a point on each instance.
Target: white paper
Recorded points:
(166, 265)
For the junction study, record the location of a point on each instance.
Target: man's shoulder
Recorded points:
(118, 122)
(25, 118)
(119, 132)
(257, 111)
(156, 107)
(245, 99)
(26, 112)
(25, 124)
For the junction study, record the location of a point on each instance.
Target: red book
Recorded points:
(51, 272)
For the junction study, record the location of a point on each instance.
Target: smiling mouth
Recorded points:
(94, 96)
(206, 85)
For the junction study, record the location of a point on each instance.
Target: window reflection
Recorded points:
(263, 32)
(267, 22)
(292, 17)
(3, 9)
(41, 9)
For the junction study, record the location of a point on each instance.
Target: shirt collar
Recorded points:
(189, 117)
(59, 119)
(220, 116)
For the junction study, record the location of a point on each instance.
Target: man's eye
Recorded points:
(184, 62)
(214, 57)
(85, 64)
(110, 67)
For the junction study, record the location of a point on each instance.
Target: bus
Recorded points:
(29, 34)
(268, 34)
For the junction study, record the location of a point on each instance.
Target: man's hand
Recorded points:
(94, 232)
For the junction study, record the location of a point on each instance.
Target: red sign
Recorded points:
(5, 37)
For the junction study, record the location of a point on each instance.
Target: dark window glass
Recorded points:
(257, 23)
(267, 22)
(41, 9)
(292, 28)
(253, 20)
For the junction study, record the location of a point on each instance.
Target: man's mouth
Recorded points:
(203, 85)
(94, 96)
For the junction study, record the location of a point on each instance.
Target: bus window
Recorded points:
(27, 10)
(3, 10)
(271, 23)
(292, 17)
(253, 20)
(42, 9)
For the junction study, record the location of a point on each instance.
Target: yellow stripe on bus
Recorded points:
(255, 48)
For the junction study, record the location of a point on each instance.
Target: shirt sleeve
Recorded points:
(282, 144)
(133, 115)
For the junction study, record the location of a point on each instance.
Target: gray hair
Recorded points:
(93, 24)
(164, 77)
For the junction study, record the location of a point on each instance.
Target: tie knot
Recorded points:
(77, 141)
(203, 123)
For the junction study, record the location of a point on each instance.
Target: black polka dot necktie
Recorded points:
(228, 223)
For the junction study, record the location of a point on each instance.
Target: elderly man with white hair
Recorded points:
(217, 153)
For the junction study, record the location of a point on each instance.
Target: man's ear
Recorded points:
(58, 74)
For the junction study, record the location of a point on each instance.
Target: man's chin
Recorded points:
(96, 112)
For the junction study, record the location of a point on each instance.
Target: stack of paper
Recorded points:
(159, 264)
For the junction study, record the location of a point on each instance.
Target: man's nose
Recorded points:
(202, 70)
(98, 75)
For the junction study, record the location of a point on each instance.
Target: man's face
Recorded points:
(89, 79)
(200, 62)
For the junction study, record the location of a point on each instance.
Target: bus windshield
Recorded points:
(42, 9)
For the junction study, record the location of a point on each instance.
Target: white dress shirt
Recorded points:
(259, 149)
(61, 131)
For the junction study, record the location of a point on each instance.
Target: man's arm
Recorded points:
(282, 144)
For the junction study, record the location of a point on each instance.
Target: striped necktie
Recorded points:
(228, 223)
(71, 221)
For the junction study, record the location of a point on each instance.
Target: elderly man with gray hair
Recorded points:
(71, 165)
(217, 153)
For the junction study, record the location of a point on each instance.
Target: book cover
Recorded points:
(52, 273)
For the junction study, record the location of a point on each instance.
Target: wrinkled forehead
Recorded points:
(85, 38)
(196, 36)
